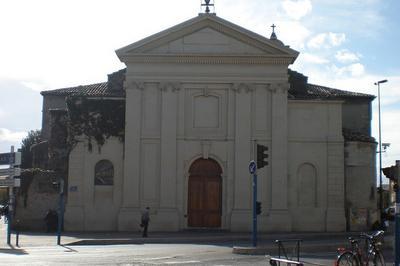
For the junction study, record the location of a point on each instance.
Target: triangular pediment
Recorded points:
(207, 35)
(206, 40)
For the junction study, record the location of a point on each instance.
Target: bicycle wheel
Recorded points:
(376, 259)
(347, 259)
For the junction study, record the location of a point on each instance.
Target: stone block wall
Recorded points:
(36, 196)
(360, 184)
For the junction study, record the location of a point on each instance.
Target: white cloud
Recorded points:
(317, 41)
(313, 59)
(292, 33)
(34, 85)
(327, 40)
(10, 136)
(336, 39)
(297, 9)
(356, 69)
(353, 70)
(345, 56)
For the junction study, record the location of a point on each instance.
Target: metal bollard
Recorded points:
(17, 233)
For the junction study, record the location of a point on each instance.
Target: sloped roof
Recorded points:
(299, 89)
(350, 135)
(321, 92)
(112, 88)
(98, 89)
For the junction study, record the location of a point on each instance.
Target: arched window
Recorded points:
(104, 173)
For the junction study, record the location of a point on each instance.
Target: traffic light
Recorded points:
(261, 156)
(258, 207)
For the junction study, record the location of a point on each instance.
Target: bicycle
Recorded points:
(356, 257)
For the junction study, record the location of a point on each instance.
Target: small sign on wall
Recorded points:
(73, 188)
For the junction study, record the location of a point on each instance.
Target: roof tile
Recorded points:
(93, 90)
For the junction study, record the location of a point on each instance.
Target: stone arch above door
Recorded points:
(205, 194)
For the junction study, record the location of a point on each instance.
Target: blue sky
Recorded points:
(47, 44)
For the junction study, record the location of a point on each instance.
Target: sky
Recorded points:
(47, 44)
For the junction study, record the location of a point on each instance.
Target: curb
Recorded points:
(273, 249)
(253, 250)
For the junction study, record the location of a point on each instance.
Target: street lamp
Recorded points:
(380, 147)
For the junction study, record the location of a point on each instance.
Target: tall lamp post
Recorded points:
(380, 147)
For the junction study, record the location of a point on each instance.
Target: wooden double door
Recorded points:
(205, 194)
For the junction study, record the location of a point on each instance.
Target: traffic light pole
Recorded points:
(397, 219)
(60, 211)
(254, 209)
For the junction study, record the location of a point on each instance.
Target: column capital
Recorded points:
(133, 84)
(169, 86)
(242, 87)
(281, 87)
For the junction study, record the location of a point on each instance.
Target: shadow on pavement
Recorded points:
(13, 250)
(68, 249)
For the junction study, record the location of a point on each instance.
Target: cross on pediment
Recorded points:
(273, 35)
(273, 28)
(207, 4)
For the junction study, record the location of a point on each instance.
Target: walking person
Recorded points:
(145, 221)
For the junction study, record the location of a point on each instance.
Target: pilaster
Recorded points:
(242, 184)
(279, 218)
(279, 147)
(167, 213)
(129, 215)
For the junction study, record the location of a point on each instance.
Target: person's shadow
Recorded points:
(13, 250)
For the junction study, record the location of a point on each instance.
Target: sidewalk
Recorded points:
(328, 242)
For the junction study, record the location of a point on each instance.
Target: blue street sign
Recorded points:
(7, 158)
(252, 167)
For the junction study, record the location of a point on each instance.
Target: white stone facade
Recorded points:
(209, 89)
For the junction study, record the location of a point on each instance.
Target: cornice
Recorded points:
(209, 59)
(315, 101)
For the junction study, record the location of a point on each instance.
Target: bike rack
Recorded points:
(277, 261)
(282, 250)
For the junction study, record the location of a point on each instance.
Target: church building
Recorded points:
(180, 126)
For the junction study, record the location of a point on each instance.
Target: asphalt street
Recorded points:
(147, 254)
(182, 248)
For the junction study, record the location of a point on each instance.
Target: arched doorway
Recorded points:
(205, 194)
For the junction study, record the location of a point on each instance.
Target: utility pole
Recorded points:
(10, 202)
(380, 149)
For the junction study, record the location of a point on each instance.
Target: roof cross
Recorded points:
(273, 35)
(273, 28)
(207, 4)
